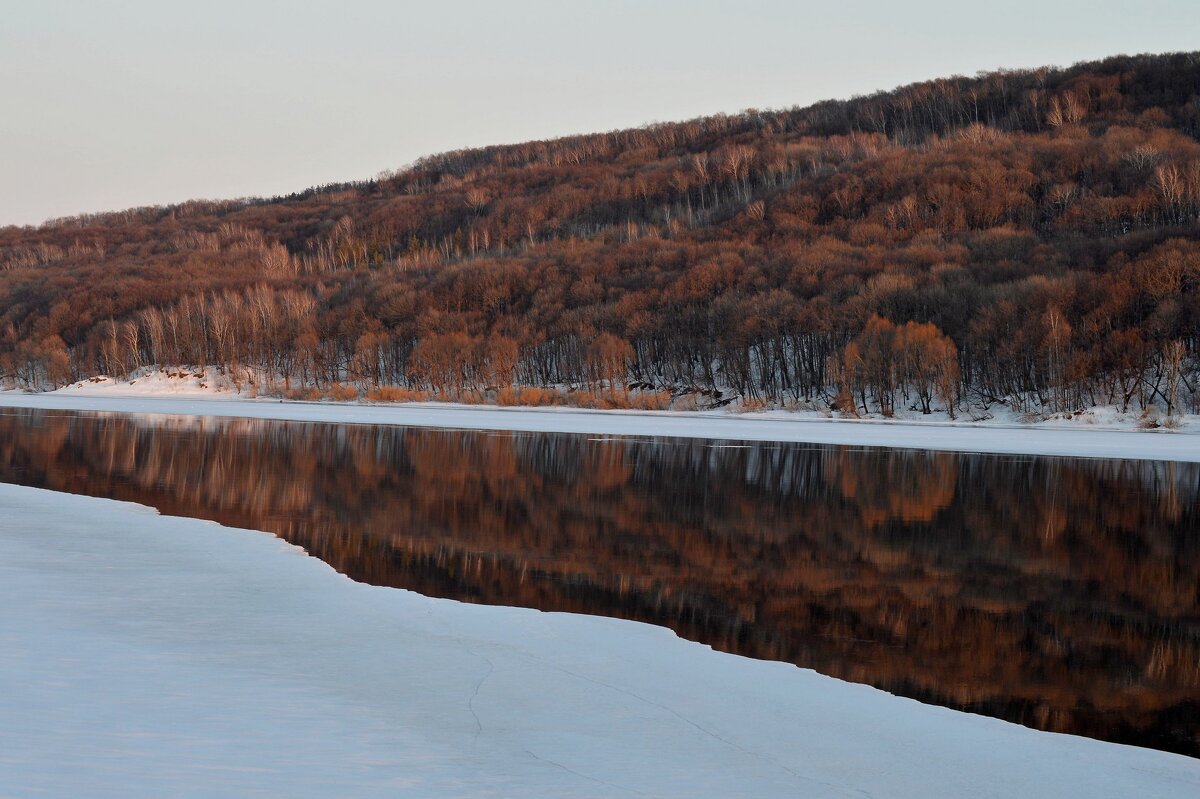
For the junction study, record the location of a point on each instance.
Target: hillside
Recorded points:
(1029, 238)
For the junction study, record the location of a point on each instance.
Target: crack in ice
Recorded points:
(589, 777)
(475, 693)
(714, 735)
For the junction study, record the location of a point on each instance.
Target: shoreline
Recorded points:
(993, 437)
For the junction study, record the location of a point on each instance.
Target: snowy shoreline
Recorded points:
(225, 661)
(1076, 440)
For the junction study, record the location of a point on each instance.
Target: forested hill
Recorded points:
(1030, 237)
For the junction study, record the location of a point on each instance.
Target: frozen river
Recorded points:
(1056, 592)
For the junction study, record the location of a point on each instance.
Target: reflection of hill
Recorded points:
(1055, 592)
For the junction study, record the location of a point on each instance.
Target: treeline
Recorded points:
(1026, 237)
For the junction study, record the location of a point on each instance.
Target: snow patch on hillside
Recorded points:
(179, 381)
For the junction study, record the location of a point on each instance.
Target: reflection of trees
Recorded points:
(1056, 592)
(900, 485)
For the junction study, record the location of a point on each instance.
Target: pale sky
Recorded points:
(107, 105)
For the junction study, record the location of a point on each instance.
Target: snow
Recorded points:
(148, 656)
(1002, 435)
(180, 381)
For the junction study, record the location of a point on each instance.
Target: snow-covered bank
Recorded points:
(241, 383)
(1079, 440)
(143, 655)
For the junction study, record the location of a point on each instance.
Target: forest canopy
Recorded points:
(1030, 238)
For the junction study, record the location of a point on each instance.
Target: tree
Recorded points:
(607, 360)
(929, 363)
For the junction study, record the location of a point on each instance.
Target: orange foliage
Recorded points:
(397, 394)
(342, 392)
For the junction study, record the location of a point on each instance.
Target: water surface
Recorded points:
(1060, 593)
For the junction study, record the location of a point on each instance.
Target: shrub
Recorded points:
(343, 392)
(508, 396)
(468, 396)
(530, 396)
(623, 400)
(752, 404)
(651, 400)
(397, 394)
(302, 393)
(685, 402)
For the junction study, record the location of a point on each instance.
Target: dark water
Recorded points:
(1059, 593)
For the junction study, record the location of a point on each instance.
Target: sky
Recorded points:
(107, 105)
